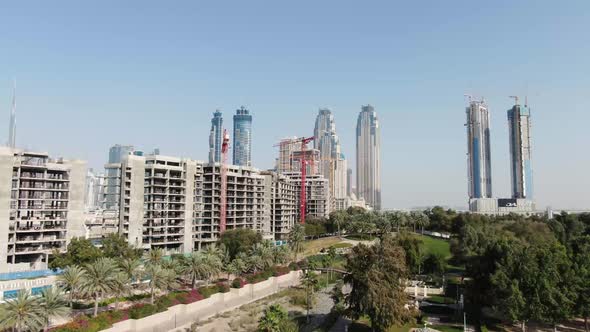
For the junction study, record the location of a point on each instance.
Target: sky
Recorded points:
(91, 74)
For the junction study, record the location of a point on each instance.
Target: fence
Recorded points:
(177, 316)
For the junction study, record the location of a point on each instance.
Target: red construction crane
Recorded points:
(223, 172)
(303, 168)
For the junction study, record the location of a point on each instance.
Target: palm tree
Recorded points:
(236, 267)
(159, 279)
(154, 256)
(309, 281)
(296, 238)
(22, 313)
(265, 252)
(71, 279)
(121, 287)
(214, 265)
(53, 304)
(195, 268)
(339, 218)
(255, 263)
(99, 279)
(132, 268)
(281, 254)
(398, 219)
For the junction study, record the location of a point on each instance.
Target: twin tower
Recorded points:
(479, 159)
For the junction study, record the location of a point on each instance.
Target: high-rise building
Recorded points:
(41, 207)
(94, 190)
(242, 147)
(349, 182)
(12, 124)
(117, 152)
(332, 160)
(318, 201)
(478, 150)
(519, 127)
(368, 157)
(216, 138)
(286, 148)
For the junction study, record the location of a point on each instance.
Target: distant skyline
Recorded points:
(92, 75)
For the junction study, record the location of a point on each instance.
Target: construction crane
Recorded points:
(223, 172)
(303, 169)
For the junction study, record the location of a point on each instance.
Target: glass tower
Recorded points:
(478, 150)
(242, 147)
(368, 157)
(215, 138)
(519, 127)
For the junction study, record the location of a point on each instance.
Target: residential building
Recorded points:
(216, 138)
(368, 157)
(286, 148)
(246, 206)
(282, 198)
(478, 150)
(317, 188)
(521, 171)
(118, 152)
(242, 144)
(312, 161)
(41, 207)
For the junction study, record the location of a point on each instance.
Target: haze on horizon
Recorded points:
(91, 75)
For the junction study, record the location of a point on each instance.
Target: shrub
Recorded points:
(208, 291)
(222, 287)
(142, 310)
(293, 266)
(237, 283)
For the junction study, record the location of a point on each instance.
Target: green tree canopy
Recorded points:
(239, 240)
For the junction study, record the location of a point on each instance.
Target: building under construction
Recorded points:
(317, 194)
(41, 207)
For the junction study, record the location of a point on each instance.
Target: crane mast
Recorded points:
(223, 172)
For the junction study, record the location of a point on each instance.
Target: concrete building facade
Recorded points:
(521, 170)
(319, 203)
(283, 198)
(41, 207)
(368, 157)
(242, 147)
(478, 150)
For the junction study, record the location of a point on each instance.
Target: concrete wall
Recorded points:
(75, 225)
(182, 314)
(6, 165)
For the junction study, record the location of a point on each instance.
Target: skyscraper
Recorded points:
(368, 157)
(12, 124)
(117, 152)
(349, 182)
(333, 163)
(519, 127)
(478, 150)
(215, 137)
(242, 149)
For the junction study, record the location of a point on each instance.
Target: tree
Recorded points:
(132, 268)
(121, 286)
(115, 245)
(239, 240)
(265, 253)
(72, 280)
(99, 279)
(53, 304)
(159, 279)
(434, 264)
(397, 219)
(281, 254)
(309, 280)
(339, 218)
(414, 251)
(80, 251)
(581, 267)
(296, 238)
(377, 276)
(196, 268)
(22, 313)
(154, 256)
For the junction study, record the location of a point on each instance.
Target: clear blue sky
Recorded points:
(150, 73)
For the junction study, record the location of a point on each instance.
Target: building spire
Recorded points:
(12, 123)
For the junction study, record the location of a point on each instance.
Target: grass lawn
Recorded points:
(433, 245)
(447, 328)
(312, 247)
(341, 245)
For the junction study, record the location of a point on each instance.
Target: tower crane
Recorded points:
(303, 169)
(223, 172)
